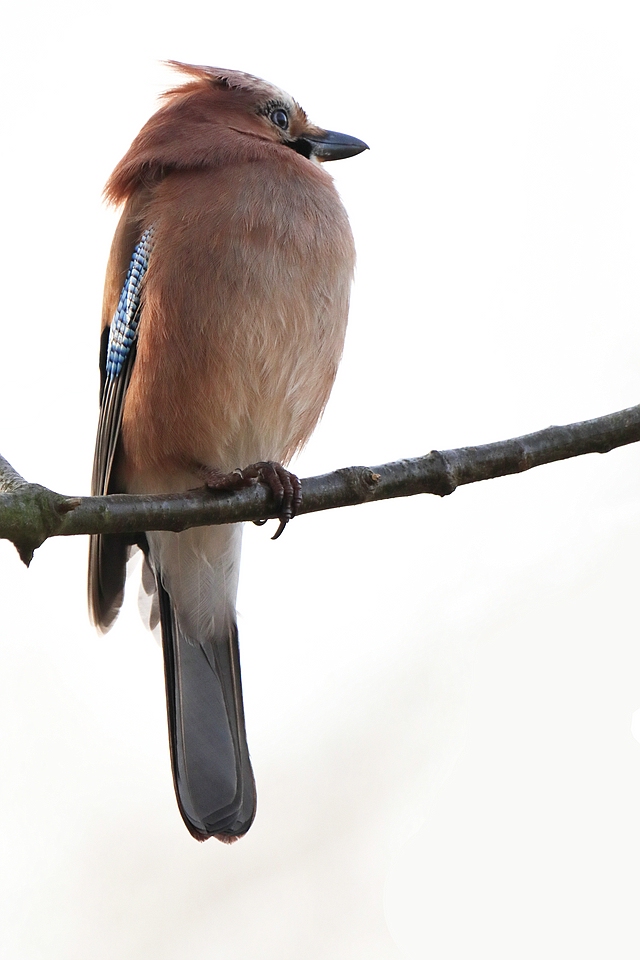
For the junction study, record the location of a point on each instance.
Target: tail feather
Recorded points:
(212, 772)
(108, 556)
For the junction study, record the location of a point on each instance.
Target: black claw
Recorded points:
(283, 522)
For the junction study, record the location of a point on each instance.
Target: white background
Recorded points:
(439, 693)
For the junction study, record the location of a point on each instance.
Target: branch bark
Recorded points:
(30, 513)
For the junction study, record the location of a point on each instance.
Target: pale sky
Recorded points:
(439, 693)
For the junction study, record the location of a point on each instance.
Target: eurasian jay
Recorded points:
(225, 306)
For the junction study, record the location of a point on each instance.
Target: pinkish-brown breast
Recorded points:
(245, 307)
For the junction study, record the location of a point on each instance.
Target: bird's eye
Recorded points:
(280, 118)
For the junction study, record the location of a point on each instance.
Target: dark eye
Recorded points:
(280, 118)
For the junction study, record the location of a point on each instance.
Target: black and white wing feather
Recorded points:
(108, 554)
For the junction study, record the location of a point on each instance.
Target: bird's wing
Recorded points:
(108, 554)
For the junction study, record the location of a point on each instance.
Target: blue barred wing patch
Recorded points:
(124, 326)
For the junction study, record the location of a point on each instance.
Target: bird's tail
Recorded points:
(196, 576)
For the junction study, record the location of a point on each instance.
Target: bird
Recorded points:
(224, 314)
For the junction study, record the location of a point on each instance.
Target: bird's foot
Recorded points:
(284, 485)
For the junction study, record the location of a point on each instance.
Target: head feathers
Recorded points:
(218, 76)
(218, 116)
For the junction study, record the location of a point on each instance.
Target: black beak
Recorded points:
(329, 145)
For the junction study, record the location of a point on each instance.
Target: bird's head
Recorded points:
(259, 109)
(219, 116)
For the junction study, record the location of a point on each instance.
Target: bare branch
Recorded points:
(30, 513)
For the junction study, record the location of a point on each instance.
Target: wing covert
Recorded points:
(108, 554)
(116, 363)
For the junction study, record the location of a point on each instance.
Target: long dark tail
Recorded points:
(212, 772)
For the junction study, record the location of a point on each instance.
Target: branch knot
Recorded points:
(447, 478)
